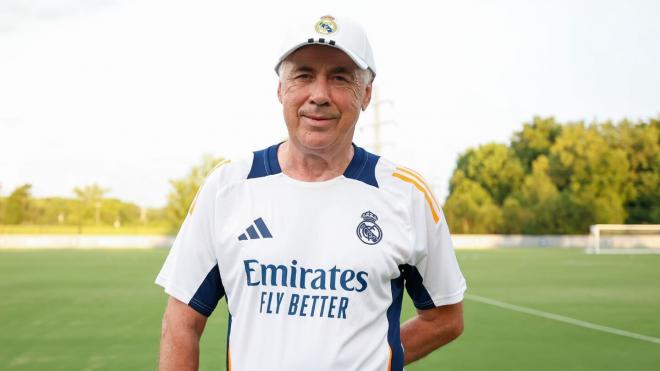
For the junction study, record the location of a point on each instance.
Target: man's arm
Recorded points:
(431, 329)
(179, 341)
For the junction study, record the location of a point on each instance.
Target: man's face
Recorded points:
(322, 92)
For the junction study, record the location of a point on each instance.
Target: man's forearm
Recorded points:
(179, 352)
(179, 341)
(426, 332)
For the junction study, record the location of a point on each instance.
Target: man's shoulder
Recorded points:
(230, 170)
(245, 166)
(398, 178)
(408, 185)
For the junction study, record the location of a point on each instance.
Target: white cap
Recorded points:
(337, 32)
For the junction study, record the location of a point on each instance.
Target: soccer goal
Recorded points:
(625, 239)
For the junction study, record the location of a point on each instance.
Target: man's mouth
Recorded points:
(319, 119)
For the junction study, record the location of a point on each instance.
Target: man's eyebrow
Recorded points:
(303, 68)
(339, 69)
(342, 70)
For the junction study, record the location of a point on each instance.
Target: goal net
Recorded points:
(625, 239)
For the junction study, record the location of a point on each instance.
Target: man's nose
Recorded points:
(320, 93)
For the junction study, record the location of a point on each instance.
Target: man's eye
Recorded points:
(303, 76)
(340, 78)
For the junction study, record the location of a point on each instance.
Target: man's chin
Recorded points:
(318, 141)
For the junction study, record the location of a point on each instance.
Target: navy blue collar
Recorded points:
(355, 167)
(272, 163)
(362, 165)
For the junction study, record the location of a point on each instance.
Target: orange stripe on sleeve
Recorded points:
(421, 189)
(417, 176)
(192, 205)
(223, 162)
(389, 362)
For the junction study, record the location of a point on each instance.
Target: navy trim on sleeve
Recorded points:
(394, 324)
(209, 293)
(228, 337)
(418, 293)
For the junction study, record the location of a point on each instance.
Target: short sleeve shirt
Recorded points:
(313, 272)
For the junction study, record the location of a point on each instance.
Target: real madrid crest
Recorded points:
(326, 25)
(368, 231)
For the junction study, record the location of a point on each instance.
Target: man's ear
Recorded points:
(279, 91)
(367, 96)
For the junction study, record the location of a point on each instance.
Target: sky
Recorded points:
(129, 94)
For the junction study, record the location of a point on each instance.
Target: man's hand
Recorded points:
(179, 341)
(431, 329)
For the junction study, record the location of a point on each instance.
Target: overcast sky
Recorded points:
(129, 94)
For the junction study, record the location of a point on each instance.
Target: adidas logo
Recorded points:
(252, 232)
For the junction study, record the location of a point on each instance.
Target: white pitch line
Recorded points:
(564, 319)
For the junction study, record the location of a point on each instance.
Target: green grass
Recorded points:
(86, 229)
(99, 310)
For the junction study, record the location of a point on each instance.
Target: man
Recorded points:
(312, 240)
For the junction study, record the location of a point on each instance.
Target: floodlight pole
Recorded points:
(378, 141)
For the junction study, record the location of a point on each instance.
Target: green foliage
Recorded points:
(2, 210)
(494, 167)
(559, 179)
(184, 190)
(18, 205)
(594, 174)
(67, 211)
(90, 207)
(54, 210)
(92, 210)
(89, 198)
(535, 139)
(641, 143)
(470, 209)
(529, 210)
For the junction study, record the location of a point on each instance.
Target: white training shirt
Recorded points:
(313, 272)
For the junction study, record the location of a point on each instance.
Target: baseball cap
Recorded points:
(334, 31)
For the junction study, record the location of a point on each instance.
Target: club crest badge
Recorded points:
(368, 231)
(326, 25)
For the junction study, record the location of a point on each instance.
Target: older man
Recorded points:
(312, 240)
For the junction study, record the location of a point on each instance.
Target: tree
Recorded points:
(18, 205)
(2, 207)
(53, 210)
(470, 209)
(559, 179)
(89, 203)
(494, 167)
(641, 143)
(535, 139)
(184, 190)
(116, 212)
(583, 165)
(527, 209)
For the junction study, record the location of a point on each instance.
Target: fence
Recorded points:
(84, 241)
(461, 241)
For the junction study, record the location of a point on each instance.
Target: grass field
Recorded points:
(99, 310)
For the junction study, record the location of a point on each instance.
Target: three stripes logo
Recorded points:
(251, 231)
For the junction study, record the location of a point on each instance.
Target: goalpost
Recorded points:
(625, 239)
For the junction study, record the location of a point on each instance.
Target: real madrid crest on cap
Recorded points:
(326, 25)
(368, 231)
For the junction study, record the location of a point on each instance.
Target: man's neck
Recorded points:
(313, 166)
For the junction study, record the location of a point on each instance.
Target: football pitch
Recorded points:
(527, 309)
